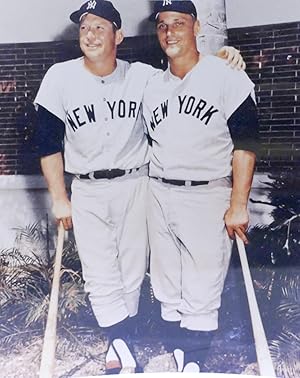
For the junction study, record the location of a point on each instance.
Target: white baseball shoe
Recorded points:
(190, 367)
(179, 359)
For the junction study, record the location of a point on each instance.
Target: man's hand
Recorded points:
(62, 211)
(233, 57)
(237, 220)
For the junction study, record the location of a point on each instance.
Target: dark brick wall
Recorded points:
(272, 54)
(22, 67)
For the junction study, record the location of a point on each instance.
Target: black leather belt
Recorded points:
(181, 182)
(107, 173)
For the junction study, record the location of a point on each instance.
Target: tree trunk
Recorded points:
(213, 33)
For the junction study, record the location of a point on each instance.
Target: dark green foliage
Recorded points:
(26, 274)
(279, 242)
(274, 254)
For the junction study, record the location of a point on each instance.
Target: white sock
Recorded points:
(111, 354)
(124, 353)
(179, 357)
(191, 367)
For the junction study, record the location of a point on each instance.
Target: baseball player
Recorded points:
(89, 110)
(201, 117)
(92, 104)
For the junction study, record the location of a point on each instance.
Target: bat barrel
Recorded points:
(49, 346)
(261, 345)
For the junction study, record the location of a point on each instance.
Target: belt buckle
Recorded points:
(108, 174)
(92, 175)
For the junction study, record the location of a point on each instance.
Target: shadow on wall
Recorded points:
(69, 33)
(25, 198)
(146, 27)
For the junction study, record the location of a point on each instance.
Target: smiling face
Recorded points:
(177, 33)
(98, 38)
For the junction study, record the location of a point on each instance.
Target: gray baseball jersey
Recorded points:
(187, 120)
(102, 115)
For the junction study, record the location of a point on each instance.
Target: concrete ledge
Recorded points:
(25, 200)
(181, 375)
(260, 179)
(22, 182)
(26, 182)
(38, 181)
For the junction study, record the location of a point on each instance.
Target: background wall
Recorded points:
(272, 53)
(242, 13)
(268, 34)
(41, 21)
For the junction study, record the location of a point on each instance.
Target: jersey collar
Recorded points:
(108, 79)
(170, 76)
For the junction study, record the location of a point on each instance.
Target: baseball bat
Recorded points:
(49, 346)
(264, 360)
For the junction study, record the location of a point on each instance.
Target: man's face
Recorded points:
(97, 37)
(177, 33)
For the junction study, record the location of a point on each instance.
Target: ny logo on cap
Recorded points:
(91, 5)
(167, 2)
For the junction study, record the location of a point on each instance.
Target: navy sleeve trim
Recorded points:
(49, 133)
(244, 128)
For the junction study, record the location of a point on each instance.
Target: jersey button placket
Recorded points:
(105, 100)
(106, 119)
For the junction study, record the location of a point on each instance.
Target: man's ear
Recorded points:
(119, 37)
(197, 28)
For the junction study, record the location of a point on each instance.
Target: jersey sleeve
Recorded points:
(146, 71)
(244, 127)
(237, 87)
(50, 93)
(48, 134)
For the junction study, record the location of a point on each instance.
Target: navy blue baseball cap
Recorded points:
(101, 8)
(181, 6)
